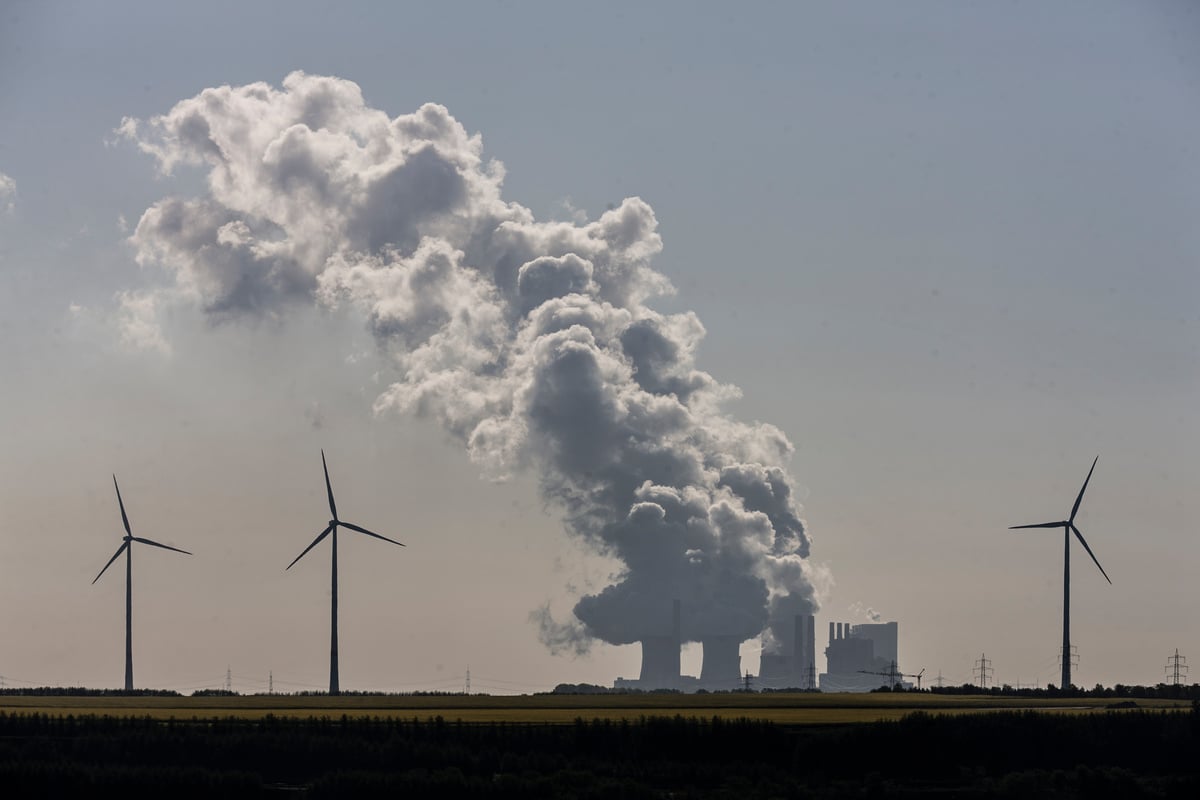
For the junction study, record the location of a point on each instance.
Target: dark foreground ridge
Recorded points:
(1020, 755)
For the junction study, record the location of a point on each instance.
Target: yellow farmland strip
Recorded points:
(801, 709)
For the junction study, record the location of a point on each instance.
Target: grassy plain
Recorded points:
(785, 709)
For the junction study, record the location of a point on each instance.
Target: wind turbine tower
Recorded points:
(1069, 527)
(127, 548)
(332, 528)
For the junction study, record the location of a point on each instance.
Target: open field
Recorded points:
(785, 709)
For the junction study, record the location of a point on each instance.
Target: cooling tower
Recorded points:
(722, 665)
(660, 657)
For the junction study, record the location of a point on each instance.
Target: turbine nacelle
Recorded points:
(128, 538)
(1069, 524)
(335, 523)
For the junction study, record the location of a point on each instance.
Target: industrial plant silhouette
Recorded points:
(127, 548)
(334, 524)
(1068, 525)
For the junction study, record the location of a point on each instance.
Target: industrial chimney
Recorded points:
(804, 646)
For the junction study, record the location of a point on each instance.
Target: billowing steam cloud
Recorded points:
(8, 194)
(529, 341)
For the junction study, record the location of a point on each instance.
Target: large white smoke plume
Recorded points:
(529, 341)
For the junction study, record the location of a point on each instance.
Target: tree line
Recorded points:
(1130, 754)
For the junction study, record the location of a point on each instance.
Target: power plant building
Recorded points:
(860, 658)
(794, 665)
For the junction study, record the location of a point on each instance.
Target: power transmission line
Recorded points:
(983, 670)
(1176, 667)
(1074, 657)
(893, 675)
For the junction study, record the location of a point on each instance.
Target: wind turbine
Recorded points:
(334, 524)
(127, 548)
(1068, 526)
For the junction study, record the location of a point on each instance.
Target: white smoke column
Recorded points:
(529, 341)
(8, 194)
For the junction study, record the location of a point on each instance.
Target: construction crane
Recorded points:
(893, 675)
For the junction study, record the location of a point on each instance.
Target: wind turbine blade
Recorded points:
(121, 503)
(315, 541)
(1083, 542)
(1040, 525)
(328, 487)
(120, 550)
(1078, 500)
(353, 527)
(163, 546)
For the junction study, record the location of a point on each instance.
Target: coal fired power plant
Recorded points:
(721, 662)
(720, 669)
(790, 666)
(793, 666)
(861, 658)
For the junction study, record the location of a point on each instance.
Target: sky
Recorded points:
(947, 250)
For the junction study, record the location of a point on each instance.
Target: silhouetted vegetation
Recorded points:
(1019, 755)
(1162, 691)
(591, 688)
(583, 688)
(367, 693)
(80, 691)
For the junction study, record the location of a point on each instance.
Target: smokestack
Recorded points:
(804, 644)
(722, 665)
(831, 636)
(675, 626)
(797, 643)
(810, 655)
(841, 631)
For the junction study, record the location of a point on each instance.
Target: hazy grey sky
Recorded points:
(948, 249)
